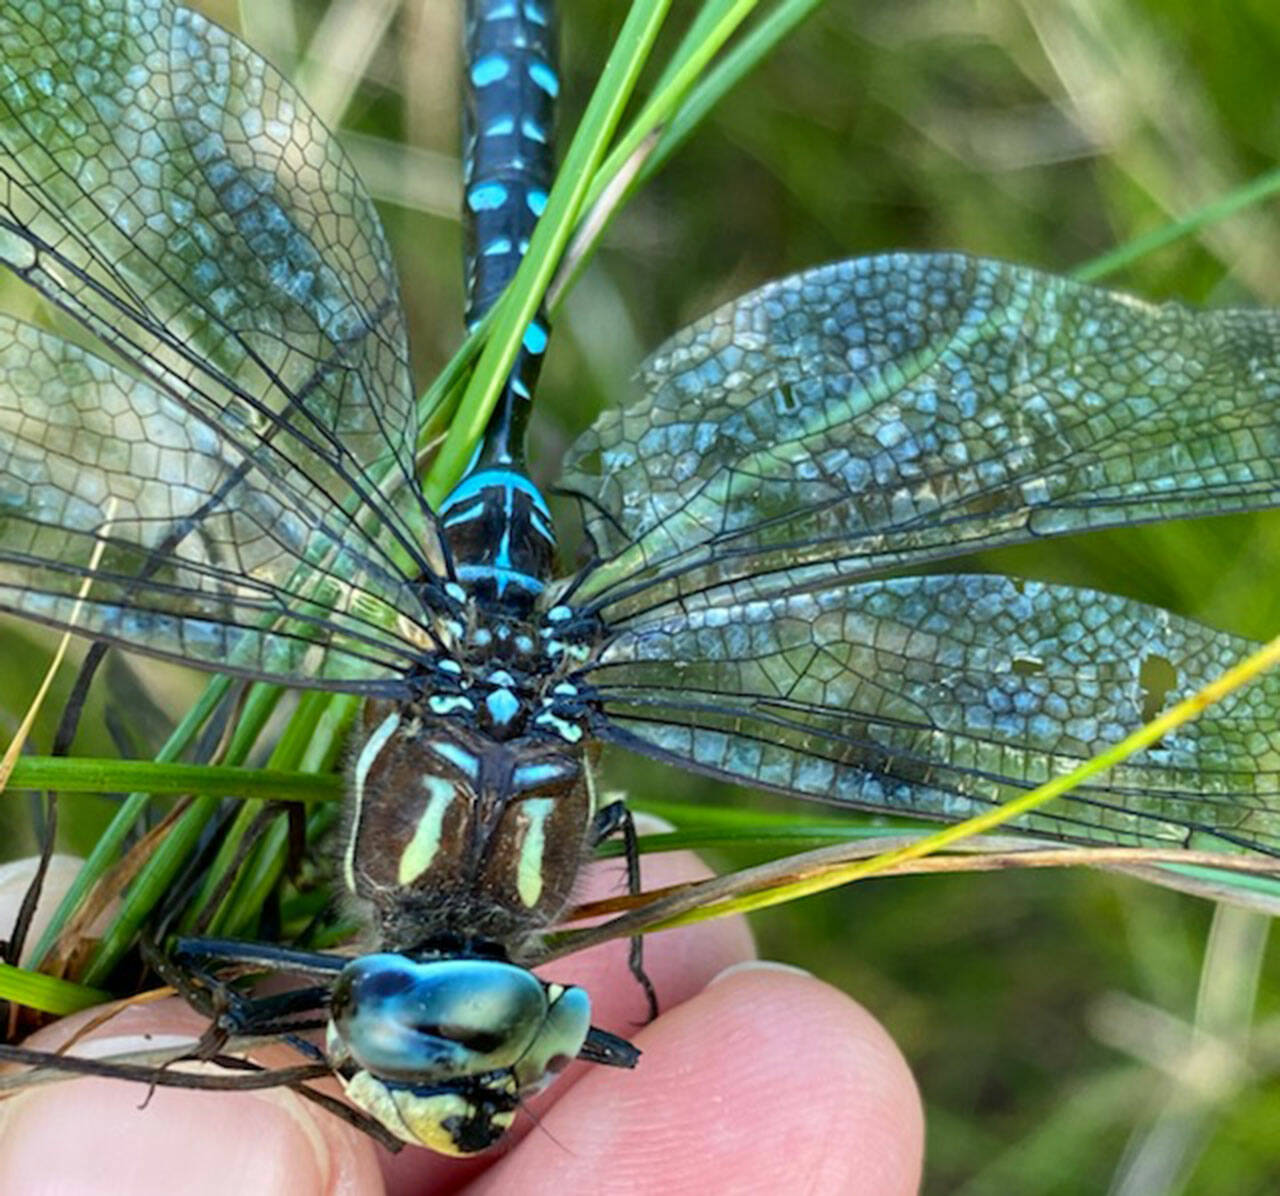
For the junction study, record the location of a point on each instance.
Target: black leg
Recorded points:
(193, 970)
(218, 953)
(616, 819)
(608, 1049)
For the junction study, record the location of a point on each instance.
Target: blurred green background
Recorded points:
(1047, 1016)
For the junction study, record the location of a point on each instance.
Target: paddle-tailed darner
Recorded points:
(792, 454)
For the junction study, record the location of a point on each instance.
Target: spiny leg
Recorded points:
(615, 819)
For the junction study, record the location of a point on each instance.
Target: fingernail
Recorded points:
(758, 965)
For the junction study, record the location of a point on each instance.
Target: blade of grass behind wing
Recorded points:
(660, 917)
(682, 99)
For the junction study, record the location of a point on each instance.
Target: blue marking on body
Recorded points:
(533, 131)
(452, 512)
(490, 69)
(497, 247)
(558, 614)
(448, 703)
(530, 776)
(535, 338)
(503, 706)
(455, 517)
(486, 197)
(503, 12)
(502, 558)
(497, 477)
(569, 732)
(500, 127)
(518, 385)
(545, 78)
(502, 572)
(459, 757)
(537, 201)
(503, 577)
(535, 12)
(542, 527)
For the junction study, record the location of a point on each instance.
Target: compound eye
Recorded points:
(558, 1041)
(475, 1039)
(428, 1022)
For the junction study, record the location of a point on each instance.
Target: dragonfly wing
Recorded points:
(171, 191)
(941, 696)
(894, 410)
(190, 549)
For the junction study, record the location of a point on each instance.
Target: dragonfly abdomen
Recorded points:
(509, 160)
(507, 135)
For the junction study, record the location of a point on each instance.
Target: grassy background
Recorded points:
(1047, 1016)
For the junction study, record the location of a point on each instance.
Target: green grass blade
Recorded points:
(736, 65)
(46, 993)
(150, 887)
(1266, 657)
(85, 775)
(1122, 256)
(316, 751)
(111, 842)
(715, 24)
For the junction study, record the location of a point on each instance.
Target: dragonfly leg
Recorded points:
(608, 1049)
(616, 819)
(193, 970)
(219, 953)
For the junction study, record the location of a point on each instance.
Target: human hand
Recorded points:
(756, 1079)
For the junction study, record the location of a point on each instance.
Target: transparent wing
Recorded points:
(192, 549)
(893, 410)
(166, 187)
(939, 696)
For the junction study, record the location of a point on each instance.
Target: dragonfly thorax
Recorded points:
(510, 681)
(453, 827)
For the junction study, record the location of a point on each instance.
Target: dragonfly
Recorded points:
(229, 480)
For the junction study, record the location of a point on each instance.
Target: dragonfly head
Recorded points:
(443, 1051)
